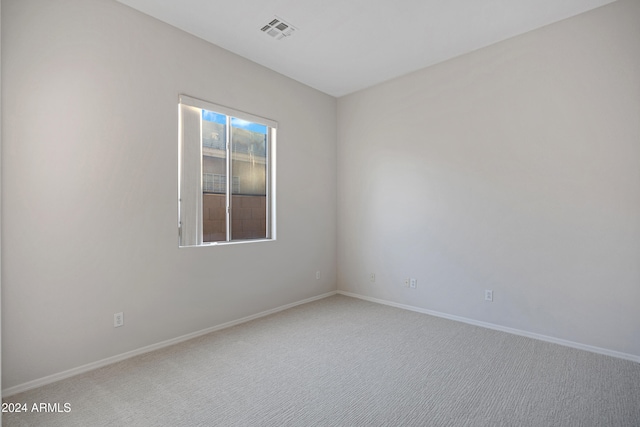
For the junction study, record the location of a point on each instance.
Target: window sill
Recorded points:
(234, 242)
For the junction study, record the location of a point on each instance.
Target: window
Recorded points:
(218, 142)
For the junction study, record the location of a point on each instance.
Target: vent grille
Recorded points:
(278, 29)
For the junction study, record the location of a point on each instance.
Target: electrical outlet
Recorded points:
(372, 277)
(413, 283)
(488, 295)
(118, 320)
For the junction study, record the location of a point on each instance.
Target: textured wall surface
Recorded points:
(90, 183)
(514, 168)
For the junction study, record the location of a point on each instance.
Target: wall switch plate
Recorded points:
(406, 282)
(317, 275)
(488, 295)
(372, 277)
(118, 320)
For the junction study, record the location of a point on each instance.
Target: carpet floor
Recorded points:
(341, 361)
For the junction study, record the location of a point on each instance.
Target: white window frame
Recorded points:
(190, 185)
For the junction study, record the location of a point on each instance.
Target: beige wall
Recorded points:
(514, 168)
(89, 216)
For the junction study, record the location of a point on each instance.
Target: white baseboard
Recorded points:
(487, 325)
(117, 358)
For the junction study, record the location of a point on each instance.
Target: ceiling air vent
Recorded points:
(278, 29)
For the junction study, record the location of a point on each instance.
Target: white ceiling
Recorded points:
(341, 46)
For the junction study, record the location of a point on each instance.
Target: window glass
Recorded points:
(214, 176)
(217, 143)
(249, 143)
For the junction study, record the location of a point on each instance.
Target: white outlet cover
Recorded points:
(118, 319)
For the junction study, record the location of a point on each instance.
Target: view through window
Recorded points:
(216, 143)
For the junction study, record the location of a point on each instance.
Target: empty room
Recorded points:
(325, 213)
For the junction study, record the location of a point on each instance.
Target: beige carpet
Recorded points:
(341, 361)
